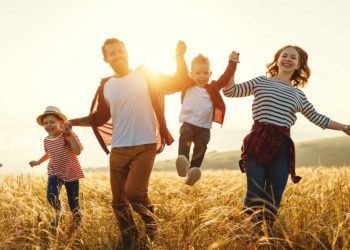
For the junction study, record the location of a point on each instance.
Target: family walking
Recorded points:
(127, 113)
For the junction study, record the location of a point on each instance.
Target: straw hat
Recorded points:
(51, 110)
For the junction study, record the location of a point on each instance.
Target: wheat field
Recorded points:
(315, 214)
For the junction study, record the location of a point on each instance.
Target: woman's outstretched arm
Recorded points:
(339, 126)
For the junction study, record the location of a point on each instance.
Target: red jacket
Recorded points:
(213, 90)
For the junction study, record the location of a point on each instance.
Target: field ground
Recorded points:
(315, 213)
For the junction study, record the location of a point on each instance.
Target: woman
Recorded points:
(268, 151)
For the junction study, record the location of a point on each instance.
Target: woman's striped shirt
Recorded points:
(63, 162)
(277, 103)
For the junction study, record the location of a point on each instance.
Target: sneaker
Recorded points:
(194, 174)
(182, 165)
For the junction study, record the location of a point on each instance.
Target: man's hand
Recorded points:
(234, 57)
(67, 128)
(181, 48)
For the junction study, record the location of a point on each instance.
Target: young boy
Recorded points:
(201, 105)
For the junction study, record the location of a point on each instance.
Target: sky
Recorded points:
(50, 54)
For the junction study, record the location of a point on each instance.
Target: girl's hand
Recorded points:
(234, 57)
(346, 129)
(34, 163)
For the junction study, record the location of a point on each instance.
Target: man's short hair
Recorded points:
(111, 41)
(200, 59)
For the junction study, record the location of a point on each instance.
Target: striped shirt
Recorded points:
(277, 103)
(63, 162)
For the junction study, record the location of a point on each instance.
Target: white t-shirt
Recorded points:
(197, 108)
(131, 109)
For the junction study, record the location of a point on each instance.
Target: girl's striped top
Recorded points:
(63, 162)
(277, 103)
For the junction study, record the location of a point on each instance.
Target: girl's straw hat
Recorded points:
(51, 110)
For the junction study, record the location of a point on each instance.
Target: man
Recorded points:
(128, 114)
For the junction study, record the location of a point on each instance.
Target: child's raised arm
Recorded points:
(41, 160)
(227, 76)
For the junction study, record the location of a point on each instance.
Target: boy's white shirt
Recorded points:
(131, 110)
(197, 108)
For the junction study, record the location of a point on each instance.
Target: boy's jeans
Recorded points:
(266, 184)
(199, 136)
(130, 170)
(54, 185)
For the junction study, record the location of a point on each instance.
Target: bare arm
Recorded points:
(231, 83)
(339, 126)
(82, 122)
(41, 160)
(75, 144)
(175, 83)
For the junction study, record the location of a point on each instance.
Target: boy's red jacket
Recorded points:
(213, 90)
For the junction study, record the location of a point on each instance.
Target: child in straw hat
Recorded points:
(61, 147)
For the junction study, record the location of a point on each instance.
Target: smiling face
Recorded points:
(53, 125)
(116, 56)
(200, 73)
(288, 60)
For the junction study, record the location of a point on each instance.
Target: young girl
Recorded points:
(201, 105)
(62, 148)
(268, 151)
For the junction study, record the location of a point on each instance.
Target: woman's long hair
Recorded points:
(300, 76)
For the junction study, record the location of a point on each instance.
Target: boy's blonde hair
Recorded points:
(200, 59)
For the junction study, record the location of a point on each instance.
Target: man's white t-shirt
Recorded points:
(197, 108)
(131, 109)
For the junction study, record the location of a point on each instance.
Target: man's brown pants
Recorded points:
(130, 170)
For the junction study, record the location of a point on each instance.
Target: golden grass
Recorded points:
(315, 213)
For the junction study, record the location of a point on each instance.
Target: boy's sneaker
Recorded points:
(194, 174)
(182, 165)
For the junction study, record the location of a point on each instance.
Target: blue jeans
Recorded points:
(266, 184)
(54, 185)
